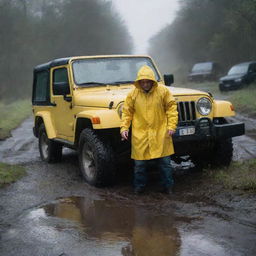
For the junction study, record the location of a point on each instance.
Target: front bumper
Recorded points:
(205, 129)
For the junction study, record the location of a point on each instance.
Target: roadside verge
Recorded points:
(11, 116)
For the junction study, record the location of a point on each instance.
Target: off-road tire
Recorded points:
(96, 159)
(50, 151)
(222, 153)
(219, 156)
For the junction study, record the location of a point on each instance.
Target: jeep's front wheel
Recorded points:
(96, 159)
(218, 156)
(222, 153)
(50, 151)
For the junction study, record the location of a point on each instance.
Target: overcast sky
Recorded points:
(144, 18)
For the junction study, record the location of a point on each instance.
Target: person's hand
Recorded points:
(171, 132)
(125, 135)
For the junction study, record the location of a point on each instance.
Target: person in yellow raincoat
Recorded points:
(152, 111)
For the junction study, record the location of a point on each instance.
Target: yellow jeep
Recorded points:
(77, 103)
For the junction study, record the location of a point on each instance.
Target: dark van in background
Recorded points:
(238, 76)
(204, 71)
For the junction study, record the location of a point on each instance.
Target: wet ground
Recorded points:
(52, 211)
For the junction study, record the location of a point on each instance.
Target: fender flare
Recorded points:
(48, 122)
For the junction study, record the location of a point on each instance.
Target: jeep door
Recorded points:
(61, 98)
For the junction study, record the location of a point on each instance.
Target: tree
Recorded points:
(207, 30)
(36, 31)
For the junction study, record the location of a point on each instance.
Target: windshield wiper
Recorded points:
(91, 83)
(121, 82)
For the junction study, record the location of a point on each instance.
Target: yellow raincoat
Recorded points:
(152, 114)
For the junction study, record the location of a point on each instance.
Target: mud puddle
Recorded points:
(134, 229)
(132, 226)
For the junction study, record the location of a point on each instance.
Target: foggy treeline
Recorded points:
(35, 31)
(223, 31)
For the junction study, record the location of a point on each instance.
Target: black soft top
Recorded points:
(53, 63)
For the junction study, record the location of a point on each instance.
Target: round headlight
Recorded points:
(204, 106)
(120, 110)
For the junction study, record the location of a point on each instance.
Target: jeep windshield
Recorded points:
(111, 71)
(239, 69)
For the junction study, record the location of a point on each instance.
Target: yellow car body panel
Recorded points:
(107, 118)
(223, 108)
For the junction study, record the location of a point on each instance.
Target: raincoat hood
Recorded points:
(145, 72)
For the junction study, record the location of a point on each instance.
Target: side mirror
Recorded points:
(168, 79)
(61, 88)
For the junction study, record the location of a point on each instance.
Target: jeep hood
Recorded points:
(176, 91)
(103, 98)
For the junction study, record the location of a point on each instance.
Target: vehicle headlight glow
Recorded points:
(120, 109)
(204, 106)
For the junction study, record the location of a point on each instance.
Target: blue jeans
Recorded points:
(164, 167)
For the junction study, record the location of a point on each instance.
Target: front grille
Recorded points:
(187, 111)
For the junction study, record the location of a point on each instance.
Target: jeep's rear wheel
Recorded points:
(50, 151)
(96, 159)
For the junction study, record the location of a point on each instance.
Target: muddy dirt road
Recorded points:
(52, 211)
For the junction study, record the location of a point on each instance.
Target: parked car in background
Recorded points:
(204, 71)
(238, 76)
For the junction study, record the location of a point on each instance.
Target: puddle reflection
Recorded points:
(146, 232)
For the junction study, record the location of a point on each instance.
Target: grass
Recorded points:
(244, 100)
(238, 176)
(10, 173)
(12, 114)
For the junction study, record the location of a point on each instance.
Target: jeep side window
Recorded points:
(60, 82)
(41, 91)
